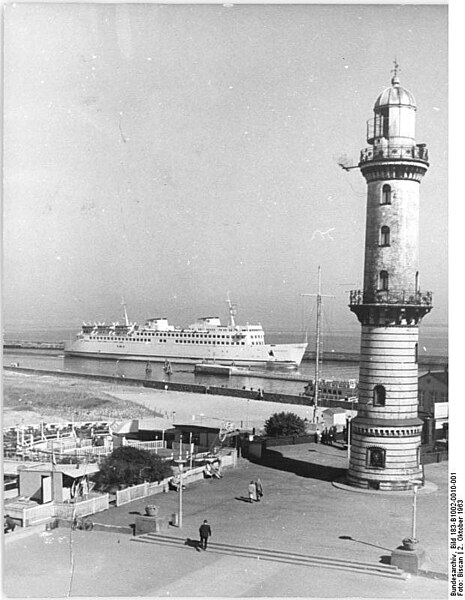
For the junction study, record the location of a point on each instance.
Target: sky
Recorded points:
(170, 154)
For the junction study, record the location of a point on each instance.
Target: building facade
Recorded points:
(386, 434)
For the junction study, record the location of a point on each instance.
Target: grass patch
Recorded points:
(67, 399)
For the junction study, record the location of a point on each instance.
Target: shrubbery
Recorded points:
(284, 423)
(130, 466)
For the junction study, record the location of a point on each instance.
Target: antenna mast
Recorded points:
(317, 339)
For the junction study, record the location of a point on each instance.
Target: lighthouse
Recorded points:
(386, 433)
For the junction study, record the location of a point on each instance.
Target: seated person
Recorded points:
(173, 484)
(208, 472)
(216, 470)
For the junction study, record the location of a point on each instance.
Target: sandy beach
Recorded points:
(31, 398)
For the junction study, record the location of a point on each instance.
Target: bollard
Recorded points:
(175, 519)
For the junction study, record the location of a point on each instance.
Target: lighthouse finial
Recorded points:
(395, 72)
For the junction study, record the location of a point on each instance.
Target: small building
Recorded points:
(45, 482)
(433, 388)
(207, 436)
(334, 417)
(143, 430)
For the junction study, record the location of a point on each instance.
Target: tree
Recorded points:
(284, 423)
(130, 466)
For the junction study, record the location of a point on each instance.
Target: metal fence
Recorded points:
(395, 151)
(391, 297)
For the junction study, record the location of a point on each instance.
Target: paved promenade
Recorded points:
(302, 512)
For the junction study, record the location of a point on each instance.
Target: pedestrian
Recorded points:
(205, 532)
(324, 436)
(252, 492)
(259, 489)
(331, 436)
(317, 436)
(9, 524)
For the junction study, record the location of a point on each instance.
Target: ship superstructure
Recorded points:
(206, 339)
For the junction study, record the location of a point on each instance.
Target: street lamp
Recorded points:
(349, 419)
(180, 463)
(416, 483)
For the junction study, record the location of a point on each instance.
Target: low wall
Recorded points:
(434, 457)
(174, 386)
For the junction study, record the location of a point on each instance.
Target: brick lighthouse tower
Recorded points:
(386, 434)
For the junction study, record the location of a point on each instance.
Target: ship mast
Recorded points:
(232, 312)
(123, 304)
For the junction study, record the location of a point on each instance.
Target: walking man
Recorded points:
(259, 489)
(205, 532)
(252, 492)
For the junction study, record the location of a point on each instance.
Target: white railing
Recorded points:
(68, 510)
(62, 444)
(152, 445)
(93, 451)
(141, 491)
(43, 512)
(35, 514)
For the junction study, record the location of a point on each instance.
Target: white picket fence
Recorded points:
(141, 491)
(82, 509)
(43, 512)
(36, 514)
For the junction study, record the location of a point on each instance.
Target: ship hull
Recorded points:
(268, 354)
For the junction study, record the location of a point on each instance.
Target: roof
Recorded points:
(333, 411)
(69, 470)
(441, 376)
(148, 424)
(155, 423)
(395, 95)
(203, 423)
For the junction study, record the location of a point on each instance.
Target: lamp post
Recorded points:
(414, 510)
(180, 463)
(348, 436)
(190, 449)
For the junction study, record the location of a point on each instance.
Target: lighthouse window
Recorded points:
(386, 194)
(385, 239)
(376, 457)
(379, 395)
(384, 281)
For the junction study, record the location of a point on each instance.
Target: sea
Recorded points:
(433, 342)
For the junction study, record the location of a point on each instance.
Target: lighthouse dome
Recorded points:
(395, 95)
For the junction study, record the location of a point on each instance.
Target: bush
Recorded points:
(130, 466)
(284, 423)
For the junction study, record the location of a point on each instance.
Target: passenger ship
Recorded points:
(205, 340)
